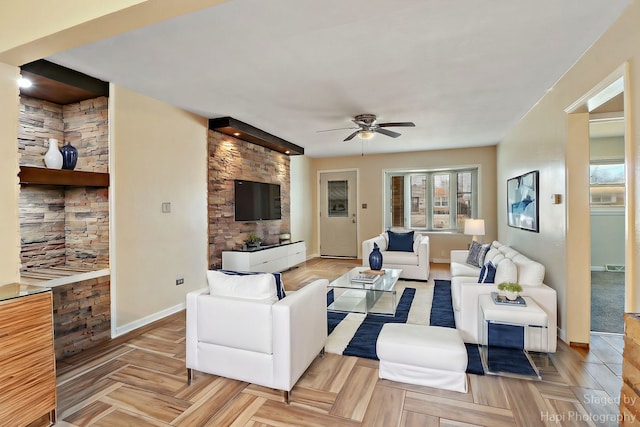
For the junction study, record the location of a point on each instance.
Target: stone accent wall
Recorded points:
(86, 127)
(230, 159)
(42, 226)
(81, 315)
(87, 228)
(39, 121)
(64, 227)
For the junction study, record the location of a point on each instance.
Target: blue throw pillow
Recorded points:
(487, 273)
(278, 276)
(400, 241)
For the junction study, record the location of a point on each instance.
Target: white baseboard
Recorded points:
(441, 261)
(146, 320)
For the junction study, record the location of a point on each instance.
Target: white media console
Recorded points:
(268, 259)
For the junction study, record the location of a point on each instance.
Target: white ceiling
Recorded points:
(465, 71)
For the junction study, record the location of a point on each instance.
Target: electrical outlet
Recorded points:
(179, 281)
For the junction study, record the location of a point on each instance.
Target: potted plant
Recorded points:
(252, 240)
(510, 289)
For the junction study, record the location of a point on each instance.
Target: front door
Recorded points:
(338, 219)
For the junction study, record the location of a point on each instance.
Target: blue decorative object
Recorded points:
(375, 258)
(69, 156)
(400, 241)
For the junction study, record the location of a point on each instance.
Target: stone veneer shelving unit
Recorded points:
(64, 218)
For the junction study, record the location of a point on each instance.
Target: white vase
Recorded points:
(53, 158)
(511, 296)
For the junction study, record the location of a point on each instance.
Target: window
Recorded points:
(419, 194)
(338, 199)
(606, 182)
(423, 200)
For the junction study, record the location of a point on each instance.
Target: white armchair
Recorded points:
(258, 341)
(414, 264)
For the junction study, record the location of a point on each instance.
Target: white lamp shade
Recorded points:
(474, 227)
(366, 134)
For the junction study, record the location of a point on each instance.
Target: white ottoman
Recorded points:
(424, 355)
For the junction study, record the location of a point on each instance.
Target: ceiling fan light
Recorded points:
(366, 134)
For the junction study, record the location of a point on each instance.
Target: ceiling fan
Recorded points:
(368, 125)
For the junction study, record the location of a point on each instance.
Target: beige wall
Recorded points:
(547, 140)
(302, 213)
(370, 184)
(158, 153)
(9, 229)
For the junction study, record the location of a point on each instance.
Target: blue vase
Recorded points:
(69, 156)
(375, 258)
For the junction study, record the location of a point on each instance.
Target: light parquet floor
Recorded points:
(140, 380)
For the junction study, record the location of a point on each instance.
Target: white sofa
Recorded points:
(511, 266)
(414, 264)
(253, 339)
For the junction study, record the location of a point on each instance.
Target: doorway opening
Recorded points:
(599, 181)
(607, 207)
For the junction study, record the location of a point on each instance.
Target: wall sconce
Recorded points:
(24, 82)
(474, 227)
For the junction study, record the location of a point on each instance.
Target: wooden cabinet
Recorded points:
(271, 259)
(28, 375)
(630, 392)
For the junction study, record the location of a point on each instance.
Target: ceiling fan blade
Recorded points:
(350, 137)
(403, 124)
(329, 130)
(387, 132)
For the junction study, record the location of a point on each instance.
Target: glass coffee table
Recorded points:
(378, 297)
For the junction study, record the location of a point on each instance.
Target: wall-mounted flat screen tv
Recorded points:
(256, 201)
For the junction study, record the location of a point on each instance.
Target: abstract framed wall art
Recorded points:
(522, 201)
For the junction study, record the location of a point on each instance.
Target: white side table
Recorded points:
(531, 318)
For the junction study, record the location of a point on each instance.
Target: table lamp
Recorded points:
(474, 227)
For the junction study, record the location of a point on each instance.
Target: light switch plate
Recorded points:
(166, 207)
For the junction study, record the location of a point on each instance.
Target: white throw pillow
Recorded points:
(254, 286)
(496, 259)
(416, 241)
(530, 272)
(491, 254)
(506, 271)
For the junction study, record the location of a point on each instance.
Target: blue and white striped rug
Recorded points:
(355, 334)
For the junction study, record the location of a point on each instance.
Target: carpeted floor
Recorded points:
(607, 301)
